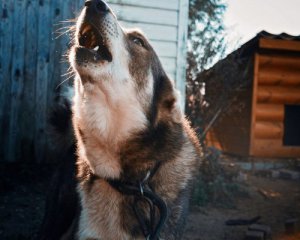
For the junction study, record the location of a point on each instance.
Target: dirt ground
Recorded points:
(23, 189)
(22, 199)
(282, 203)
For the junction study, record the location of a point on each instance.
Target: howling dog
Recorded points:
(136, 155)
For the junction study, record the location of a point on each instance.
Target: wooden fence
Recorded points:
(31, 66)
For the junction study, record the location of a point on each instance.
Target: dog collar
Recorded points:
(142, 192)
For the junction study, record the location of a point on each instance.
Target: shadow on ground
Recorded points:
(23, 188)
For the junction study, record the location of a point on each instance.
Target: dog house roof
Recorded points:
(252, 45)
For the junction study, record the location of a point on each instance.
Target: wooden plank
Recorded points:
(278, 95)
(271, 62)
(154, 31)
(42, 79)
(279, 77)
(58, 42)
(28, 97)
(274, 148)
(237, 122)
(268, 130)
(164, 49)
(79, 4)
(269, 112)
(213, 141)
(279, 44)
(62, 18)
(55, 46)
(65, 40)
(158, 4)
(6, 28)
(254, 102)
(169, 64)
(1, 82)
(182, 49)
(163, 38)
(17, 80)
(145, 15)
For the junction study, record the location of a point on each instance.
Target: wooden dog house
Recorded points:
(260, 84)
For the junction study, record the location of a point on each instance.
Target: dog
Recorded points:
(136, 155)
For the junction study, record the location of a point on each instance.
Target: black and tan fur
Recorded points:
(126, 119)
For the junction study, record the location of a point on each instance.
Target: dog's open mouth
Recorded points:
(91, 38)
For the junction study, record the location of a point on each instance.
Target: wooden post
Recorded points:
(254, 102)
(42, 80)
(17, 80)
(28, 97)
(6, 39)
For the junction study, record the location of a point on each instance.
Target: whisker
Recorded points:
(66, 27)
(65, 58)
(67, 73)
(63, 30)
(71, 26)
(69, 20)
(62, 33)
(72, 75)
(65, 21)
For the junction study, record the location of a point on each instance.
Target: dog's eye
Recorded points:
(138, 41)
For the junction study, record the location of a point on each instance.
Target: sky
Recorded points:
(245, 18)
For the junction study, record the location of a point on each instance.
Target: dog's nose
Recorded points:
(97, 5)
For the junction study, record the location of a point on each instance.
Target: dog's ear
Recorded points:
(177, 113)
(170, 107)
(166, 104)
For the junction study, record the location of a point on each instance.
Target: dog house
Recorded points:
(258, 105)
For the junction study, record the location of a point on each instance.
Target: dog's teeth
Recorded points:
(96, 48)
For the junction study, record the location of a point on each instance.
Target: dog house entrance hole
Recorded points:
(291, 135)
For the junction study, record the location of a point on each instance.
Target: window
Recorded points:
(291, 136)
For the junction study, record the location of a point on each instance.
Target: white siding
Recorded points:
(146, 15)
(158, 4)
(182, 48)
(165, 24)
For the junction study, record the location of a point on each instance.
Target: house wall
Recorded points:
(229, 92)
(231, 131)
(34, 38)
(277, 83)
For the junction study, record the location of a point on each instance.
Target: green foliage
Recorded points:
(206, 33)
(206, 45)
(215, 185)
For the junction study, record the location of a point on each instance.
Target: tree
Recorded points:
(206, 45)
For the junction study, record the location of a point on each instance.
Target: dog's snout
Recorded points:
(97, 5)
